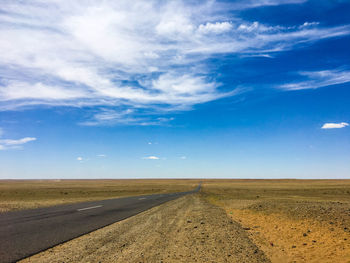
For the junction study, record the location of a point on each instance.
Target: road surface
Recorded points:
(27, 232)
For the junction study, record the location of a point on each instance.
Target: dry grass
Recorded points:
(290, 220)
(24, 194)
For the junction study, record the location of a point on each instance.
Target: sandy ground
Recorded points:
(290, 221)
(285, 240)
(188, 229)
(295, 232)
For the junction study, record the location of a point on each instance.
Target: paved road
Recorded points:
(27, 232)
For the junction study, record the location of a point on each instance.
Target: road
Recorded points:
(27, 232)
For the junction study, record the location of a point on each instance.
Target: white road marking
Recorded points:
(142, 198)
(87, 208)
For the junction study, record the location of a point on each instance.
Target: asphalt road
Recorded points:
(27, 232)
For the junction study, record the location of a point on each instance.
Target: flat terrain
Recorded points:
(272, 220)
(290, 220)
(188, 229)
(27, 194)
(26, 232)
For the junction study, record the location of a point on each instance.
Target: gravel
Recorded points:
(188, 229)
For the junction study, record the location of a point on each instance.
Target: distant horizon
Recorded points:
(208, 89)
(142, 178)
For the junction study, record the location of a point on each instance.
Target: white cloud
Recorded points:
(251, 27)
(110, 55)
(151, 158)
(318, 79)
(308, 24)
(334, 125)
(183, 157)
(19, 90)
(175, 26)
(180, 87)
(101, 155)
(216, 28)
(79, 158)
(14, 144)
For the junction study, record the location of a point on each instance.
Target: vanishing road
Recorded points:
(27, 232)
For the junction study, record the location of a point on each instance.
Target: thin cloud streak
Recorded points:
(107, 117)
(151, 158)
(318, 79)
(6, 144)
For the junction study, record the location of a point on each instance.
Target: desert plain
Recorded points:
(227, 221)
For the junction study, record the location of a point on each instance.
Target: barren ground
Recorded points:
(229, 221)
(290, 220)
(188, 229)
(27, 194)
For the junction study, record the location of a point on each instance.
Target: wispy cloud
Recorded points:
(17, 142)
(334, 125)
(125, 117)
(318, 79)
(245, 4)
(6, 144)
(65, 54)
(79, 159)
(150, 158)
(102, 155)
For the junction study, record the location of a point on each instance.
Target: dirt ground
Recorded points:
(285, 240)
(27, 194)
(290, 220)
(188, 229)
(229, 221)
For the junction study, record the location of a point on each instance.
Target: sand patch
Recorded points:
(285, 240)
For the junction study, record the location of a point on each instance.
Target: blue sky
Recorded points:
(212, 89)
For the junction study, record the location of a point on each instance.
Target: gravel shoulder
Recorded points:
(188, 229)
